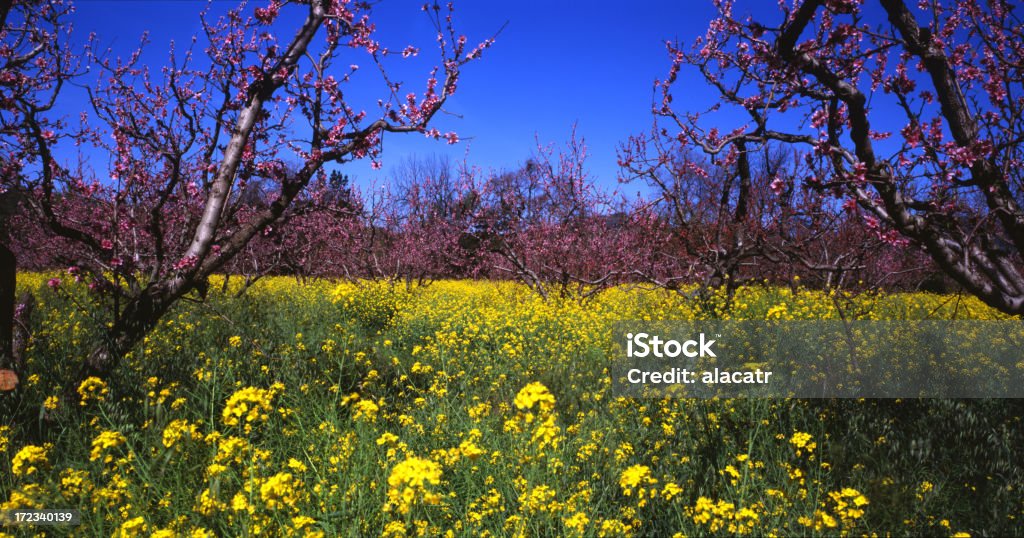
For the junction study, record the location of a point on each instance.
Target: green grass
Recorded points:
(373, 376)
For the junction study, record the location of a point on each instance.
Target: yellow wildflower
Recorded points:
(28, 460)
(93, 389)
(410, 481)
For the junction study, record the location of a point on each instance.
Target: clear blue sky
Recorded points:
(555, 64)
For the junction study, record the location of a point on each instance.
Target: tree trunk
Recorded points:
(8, 281)
(139, 316)
(22, 327)
(5, 8)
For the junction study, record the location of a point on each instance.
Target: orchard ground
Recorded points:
(474, 408)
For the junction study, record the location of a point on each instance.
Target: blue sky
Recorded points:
(556, 63)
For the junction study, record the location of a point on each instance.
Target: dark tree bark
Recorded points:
(8, 279)
(5, 8)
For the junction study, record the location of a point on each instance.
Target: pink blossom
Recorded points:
(266, 15)
(185, 263)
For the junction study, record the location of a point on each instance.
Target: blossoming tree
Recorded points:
(35, 64)
(916, 110)
(185, 139)
(551, 227)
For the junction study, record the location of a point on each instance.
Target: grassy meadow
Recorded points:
(476, 409)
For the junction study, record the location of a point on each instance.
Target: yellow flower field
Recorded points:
(476, 409)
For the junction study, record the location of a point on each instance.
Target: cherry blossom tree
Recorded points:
(35, 64)
(551, 227)
(313, 239)
(739, 218)
(434, 201)
(915, 108)
(249, 100)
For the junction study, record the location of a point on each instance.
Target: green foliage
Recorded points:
(479, 409)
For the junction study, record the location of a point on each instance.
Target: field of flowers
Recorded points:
(476, 409)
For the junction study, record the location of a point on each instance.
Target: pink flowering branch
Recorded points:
(207, 158)
(948, 181)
